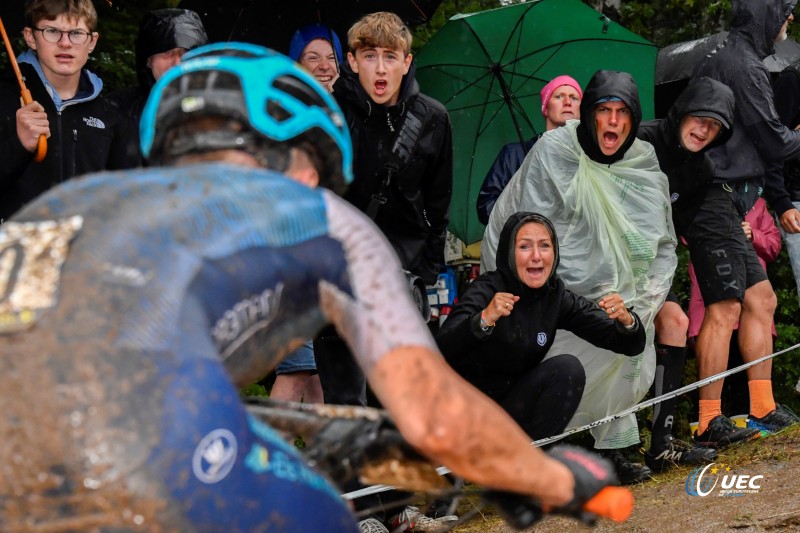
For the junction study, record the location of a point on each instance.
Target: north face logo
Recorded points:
(94, 123)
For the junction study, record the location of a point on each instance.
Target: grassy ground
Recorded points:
(662, 502)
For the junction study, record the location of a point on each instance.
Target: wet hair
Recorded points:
(379, 30)
(36, 10)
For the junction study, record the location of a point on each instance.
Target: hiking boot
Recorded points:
(673, 452)
(722, 432)
(371, 525)
(779, 418)
(412, 519)
(628, 472)
(442, 507)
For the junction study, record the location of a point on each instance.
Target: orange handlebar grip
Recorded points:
(615, 503)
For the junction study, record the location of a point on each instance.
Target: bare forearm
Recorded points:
(454, 424)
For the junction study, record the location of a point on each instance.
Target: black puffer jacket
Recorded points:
(760, 143)
(608, 84)
(689, 173)
(160, 31)
(520, 341)
(415, 217)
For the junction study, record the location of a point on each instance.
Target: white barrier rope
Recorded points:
(374, 489)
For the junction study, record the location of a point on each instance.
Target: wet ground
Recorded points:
(664, 505)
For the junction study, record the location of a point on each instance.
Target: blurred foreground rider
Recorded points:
(124, 295)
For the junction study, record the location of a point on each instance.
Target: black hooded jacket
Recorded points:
(160, 31)
(608, 84)
(787, 104)
(520, 341)
(416, 214)
(760, 143)
(689, 173)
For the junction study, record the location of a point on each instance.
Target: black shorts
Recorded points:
(672, 297)
(724, 260)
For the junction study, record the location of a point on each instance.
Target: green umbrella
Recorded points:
(487, 68)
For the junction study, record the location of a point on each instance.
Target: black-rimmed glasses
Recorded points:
(53, 35)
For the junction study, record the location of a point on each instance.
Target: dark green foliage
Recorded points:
(786, 367)
(254, 389)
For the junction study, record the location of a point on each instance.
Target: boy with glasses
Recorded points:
(83, 130)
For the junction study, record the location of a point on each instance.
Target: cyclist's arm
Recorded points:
(456, 425)
(438, 412)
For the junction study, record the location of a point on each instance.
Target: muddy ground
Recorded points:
(663, 504)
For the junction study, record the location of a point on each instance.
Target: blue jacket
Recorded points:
(507, 163)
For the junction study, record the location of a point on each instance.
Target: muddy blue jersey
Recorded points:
(133, 304)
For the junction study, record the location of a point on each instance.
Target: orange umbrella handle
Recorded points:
(41, 149)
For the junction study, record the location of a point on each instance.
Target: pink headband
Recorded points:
(554, 84)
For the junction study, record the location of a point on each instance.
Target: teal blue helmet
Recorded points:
(270, 103)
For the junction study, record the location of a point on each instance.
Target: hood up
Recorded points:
(703, 97)
(608, 84)
(306, 34)
(506, 258)
(759, 22)
(162, 30)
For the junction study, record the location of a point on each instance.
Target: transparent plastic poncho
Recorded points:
(614, 226)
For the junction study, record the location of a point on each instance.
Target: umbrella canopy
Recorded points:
(678, 61)
(272, 24)
(488, 69)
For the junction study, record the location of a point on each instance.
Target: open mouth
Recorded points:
(610, 139)
(697, 138)
(535, 272)
(324, 78)
(380, 87)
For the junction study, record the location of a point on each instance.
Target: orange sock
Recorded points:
(761, 400)
(709, 409)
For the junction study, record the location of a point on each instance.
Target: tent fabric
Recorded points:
(614, 224)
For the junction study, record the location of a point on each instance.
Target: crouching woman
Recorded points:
(498, 334)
